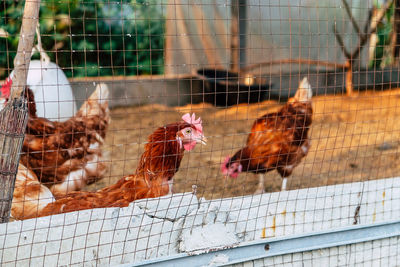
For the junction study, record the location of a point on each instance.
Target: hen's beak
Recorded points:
(202, 140)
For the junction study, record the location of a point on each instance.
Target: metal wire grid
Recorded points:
(380, 252)
(353, 140)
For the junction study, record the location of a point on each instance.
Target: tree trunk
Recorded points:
(349, 78)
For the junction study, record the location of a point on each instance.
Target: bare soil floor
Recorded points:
(352, 139)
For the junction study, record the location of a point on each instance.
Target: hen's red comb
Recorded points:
(6, 88)
(192, 120)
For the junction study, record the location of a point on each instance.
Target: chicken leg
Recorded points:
(170, 185)
(260, 187)
(284, 182)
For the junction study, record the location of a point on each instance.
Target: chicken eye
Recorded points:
(188, 131)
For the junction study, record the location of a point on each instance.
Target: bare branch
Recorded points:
(374, 24)
(368, 22)
(341, 43)
(380, 15)
(352, 19)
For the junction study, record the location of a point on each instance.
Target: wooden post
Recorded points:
(242, 33)
(25, 45)
(349, 77)
(14, 116)
(235, 40)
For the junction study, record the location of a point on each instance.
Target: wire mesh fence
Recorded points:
(297, 104)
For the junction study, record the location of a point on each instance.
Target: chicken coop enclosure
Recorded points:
(200, 133)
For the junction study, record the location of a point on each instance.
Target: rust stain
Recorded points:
(374, 216)
(284, 213)
(383, 196)
(263, 235)
(274, 224)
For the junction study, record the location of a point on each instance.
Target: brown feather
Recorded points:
(30, 196)
(159, 162)
(52, 150)
(277, 140)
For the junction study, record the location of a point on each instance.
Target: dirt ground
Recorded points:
(352, 139)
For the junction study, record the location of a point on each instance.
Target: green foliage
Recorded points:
(92, 38)
(384, 30)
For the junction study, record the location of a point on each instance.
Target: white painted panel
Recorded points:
(170, 225)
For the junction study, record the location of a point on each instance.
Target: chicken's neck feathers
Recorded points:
(162, 155)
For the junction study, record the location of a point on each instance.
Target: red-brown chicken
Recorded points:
(29, 194)
(158, 164)
(66, 156)
(277, 140)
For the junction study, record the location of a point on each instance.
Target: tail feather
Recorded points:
(304, 92)
(101, 94)
(30, 196)
(97, 101)
(120, 194)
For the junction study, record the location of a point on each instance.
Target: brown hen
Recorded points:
(277, 140)
(29, 194)
(158, 164)
(66, 156)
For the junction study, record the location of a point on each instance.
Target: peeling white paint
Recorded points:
(210, 236)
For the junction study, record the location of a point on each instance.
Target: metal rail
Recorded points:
(281, 245)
